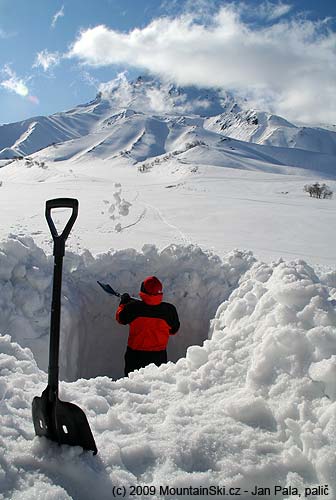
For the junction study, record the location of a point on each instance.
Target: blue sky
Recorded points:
(40, 74)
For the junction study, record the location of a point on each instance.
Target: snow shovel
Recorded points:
(108, 289)
(58, 420)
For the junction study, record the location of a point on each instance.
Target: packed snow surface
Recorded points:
(252, 405)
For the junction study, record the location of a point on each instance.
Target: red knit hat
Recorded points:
(152, 286)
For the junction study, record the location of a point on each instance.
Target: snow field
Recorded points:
(216, 208)
(254, 405)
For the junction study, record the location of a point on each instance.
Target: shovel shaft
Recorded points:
(55, 321)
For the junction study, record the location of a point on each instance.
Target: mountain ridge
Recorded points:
(144, 119)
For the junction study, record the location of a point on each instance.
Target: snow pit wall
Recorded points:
(92, 342)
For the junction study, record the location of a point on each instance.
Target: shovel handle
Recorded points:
(59, 239)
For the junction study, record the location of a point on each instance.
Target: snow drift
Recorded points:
(255, 405)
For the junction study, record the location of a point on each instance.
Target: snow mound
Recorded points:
(92, 343)
(255, 405)
(274, 343)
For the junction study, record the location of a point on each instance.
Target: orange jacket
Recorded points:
(151, 322)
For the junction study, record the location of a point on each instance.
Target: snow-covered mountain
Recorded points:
(264, 128)
(145, 119)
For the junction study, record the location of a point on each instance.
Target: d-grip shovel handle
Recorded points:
(60, 239)
(59, 250)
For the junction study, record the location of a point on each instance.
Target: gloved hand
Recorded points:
(125, 297)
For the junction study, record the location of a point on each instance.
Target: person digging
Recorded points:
(151, 321)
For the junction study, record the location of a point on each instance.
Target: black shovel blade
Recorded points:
(62, 422)
(108, 289)
(42, 417)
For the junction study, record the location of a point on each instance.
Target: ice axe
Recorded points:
(58, 420)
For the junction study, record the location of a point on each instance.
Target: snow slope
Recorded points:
(264, 128)
(29, 136)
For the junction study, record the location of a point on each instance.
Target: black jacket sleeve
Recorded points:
(127, 312)
(174, 321)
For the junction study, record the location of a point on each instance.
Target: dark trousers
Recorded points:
(139, 359)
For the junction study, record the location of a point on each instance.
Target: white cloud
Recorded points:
(151, 98)
(268, 10)
(119, 87)
(122, 92)
(46, 59)
(13, 83)
(155, 96)
(89, 79)
(274, 11)
(293, 61)
(56, 17)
